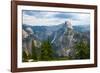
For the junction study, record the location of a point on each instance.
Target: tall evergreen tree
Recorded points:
(34, 54)
(25, 55)
(46, 50)
(82, 50)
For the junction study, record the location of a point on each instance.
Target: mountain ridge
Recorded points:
(61, 36)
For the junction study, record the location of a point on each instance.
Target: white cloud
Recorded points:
(50, 14)
(83, 19)
(31, 20)
(48, 18)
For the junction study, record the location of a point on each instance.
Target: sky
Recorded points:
(49, 18)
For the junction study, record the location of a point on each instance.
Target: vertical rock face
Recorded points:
(69, 34)
(69, 24)
(24, 34)
(67, 39)
(28, 37)
(63, 41)
(26, 41)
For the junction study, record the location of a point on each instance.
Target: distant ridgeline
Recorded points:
(57, 42)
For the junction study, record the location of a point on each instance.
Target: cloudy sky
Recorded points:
(48, 18)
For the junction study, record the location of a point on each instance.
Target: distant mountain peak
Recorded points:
(69, 24)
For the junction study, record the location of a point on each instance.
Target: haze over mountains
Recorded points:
(62, 37)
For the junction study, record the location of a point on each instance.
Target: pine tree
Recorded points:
(34, 54)
(82, 50)
(25, 55)
(46, 50)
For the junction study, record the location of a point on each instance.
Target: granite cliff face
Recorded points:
(62, 37)
(65, 41)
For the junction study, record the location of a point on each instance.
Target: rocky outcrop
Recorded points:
(28, 37)
(63, 37)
